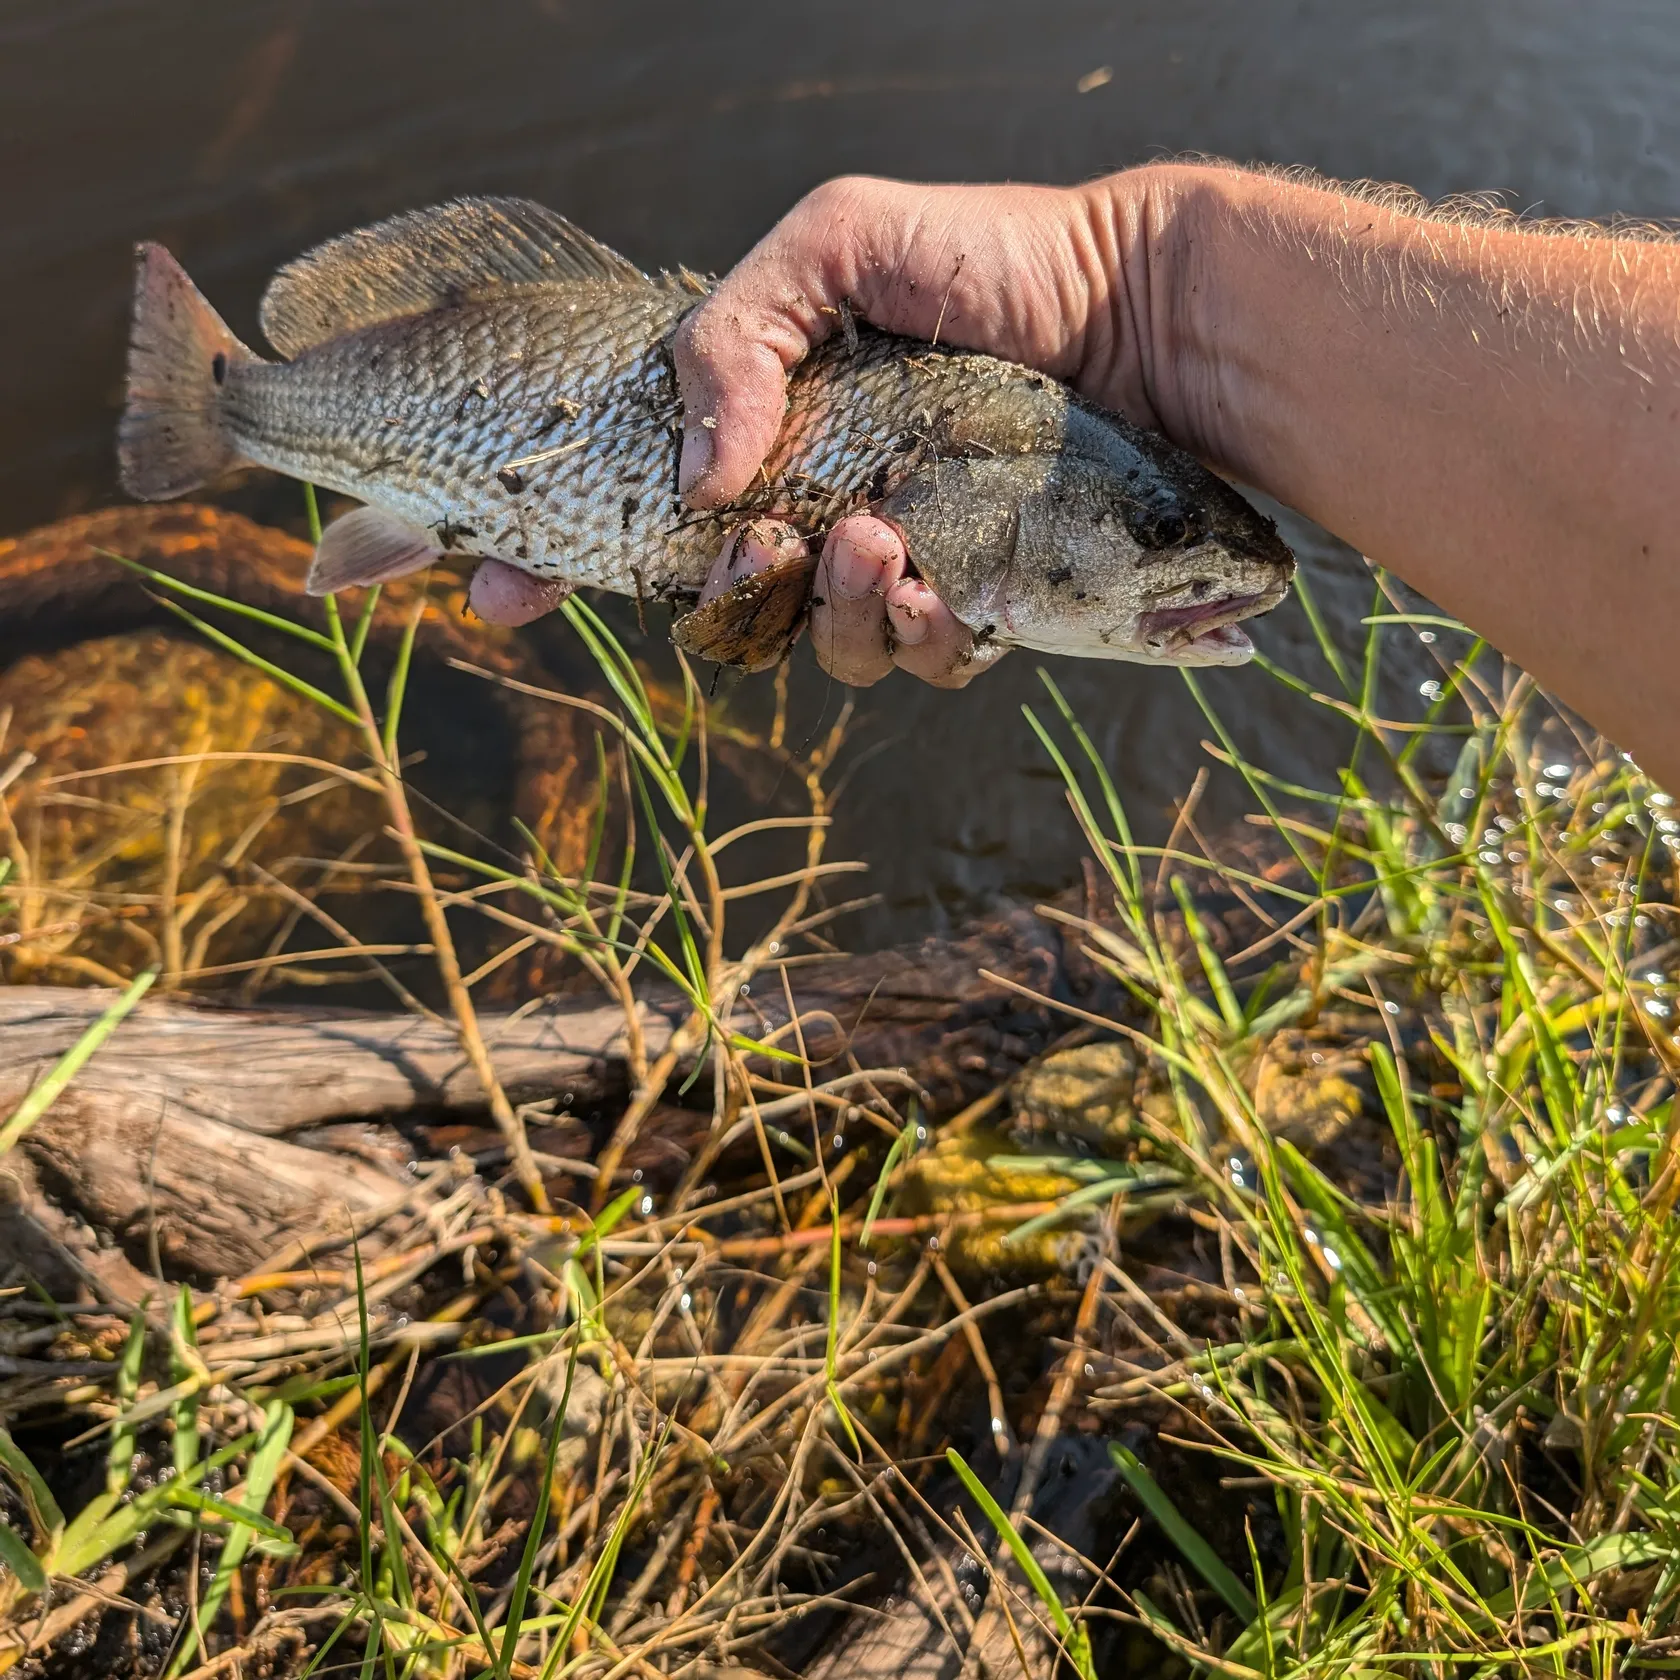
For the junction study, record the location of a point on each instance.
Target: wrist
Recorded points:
(1167, 235)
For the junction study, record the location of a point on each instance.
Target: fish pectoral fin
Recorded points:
(753, 623)
(425, 259)
(368, 546)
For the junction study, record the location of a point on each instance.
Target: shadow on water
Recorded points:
(239, 135)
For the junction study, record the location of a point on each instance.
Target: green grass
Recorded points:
(403, 1595)
(1444, 1395)
(1465, 1416)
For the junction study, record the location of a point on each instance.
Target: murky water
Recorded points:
(241, 133)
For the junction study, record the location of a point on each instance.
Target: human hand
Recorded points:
(1025, 273)
(1033, 274)
(866, 615)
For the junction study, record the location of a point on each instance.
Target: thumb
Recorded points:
(734, 352)
(1016, 271)
(734, 393)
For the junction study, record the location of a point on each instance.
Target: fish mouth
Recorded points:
(1205, 632)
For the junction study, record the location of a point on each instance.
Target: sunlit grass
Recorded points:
(1464, 1408)
(1451, 1389)
(406, 1597)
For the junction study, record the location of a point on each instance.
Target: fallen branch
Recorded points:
(203, 1138)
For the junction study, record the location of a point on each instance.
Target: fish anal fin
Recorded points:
(753, 623)
(368, 546)
(426, 259)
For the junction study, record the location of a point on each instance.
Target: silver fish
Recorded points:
(491, 381)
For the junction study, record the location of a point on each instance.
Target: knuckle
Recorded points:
(836, 203)
(831, 194)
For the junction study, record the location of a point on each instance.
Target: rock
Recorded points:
(168, 859)
(1085, 1094)
(586, 1394)
(1305, 1090)
(973, 1174)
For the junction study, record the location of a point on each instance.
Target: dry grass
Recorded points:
(1373, 1290)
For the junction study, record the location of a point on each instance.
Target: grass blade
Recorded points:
(287, 679)
(901, 1146)
(1074, 1637)
(178, 586)
(23, 1563)
(183, 1370)
(832, 1356)
(1196, 1551)
(42, 1506)
(50, 1089)
(246, 1520)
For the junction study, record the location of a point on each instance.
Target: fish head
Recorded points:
(1112, 544)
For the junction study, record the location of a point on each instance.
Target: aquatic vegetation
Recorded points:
(1336, 1234)
(1458, 1394)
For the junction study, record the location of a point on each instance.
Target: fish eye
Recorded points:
(218, 366)
(1157, 527)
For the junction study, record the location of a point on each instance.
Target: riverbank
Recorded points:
(1301, 1303)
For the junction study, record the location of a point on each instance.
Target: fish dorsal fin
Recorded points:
(426, 259)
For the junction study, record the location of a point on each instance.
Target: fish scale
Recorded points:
(324, 417)
(494, 383)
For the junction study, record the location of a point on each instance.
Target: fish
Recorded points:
(491, 382)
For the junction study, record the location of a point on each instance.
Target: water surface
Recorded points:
(239, 134)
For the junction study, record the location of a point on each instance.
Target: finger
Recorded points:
(930, 641)
(1014, 270)
(734, 391)
(733, 353)
(861, 560)
(752, 547)
(502, 594)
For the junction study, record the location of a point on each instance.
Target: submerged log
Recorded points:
(204, 1138)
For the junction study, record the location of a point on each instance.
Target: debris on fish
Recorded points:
(492, 382)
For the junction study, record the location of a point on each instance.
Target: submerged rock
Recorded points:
(1084, 1093)
(1305, 1088)
(226, 826)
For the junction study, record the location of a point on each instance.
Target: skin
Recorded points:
(1488, 411)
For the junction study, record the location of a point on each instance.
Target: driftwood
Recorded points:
(202, 1139)
(179, 1135)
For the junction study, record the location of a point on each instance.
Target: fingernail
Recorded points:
(907, 612)
(696, 461)
(852, 574)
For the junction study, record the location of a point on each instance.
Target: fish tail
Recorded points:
(172, 437)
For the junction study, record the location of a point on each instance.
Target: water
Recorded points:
(240, 134)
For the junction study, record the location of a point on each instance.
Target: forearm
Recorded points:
(1495, 415)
